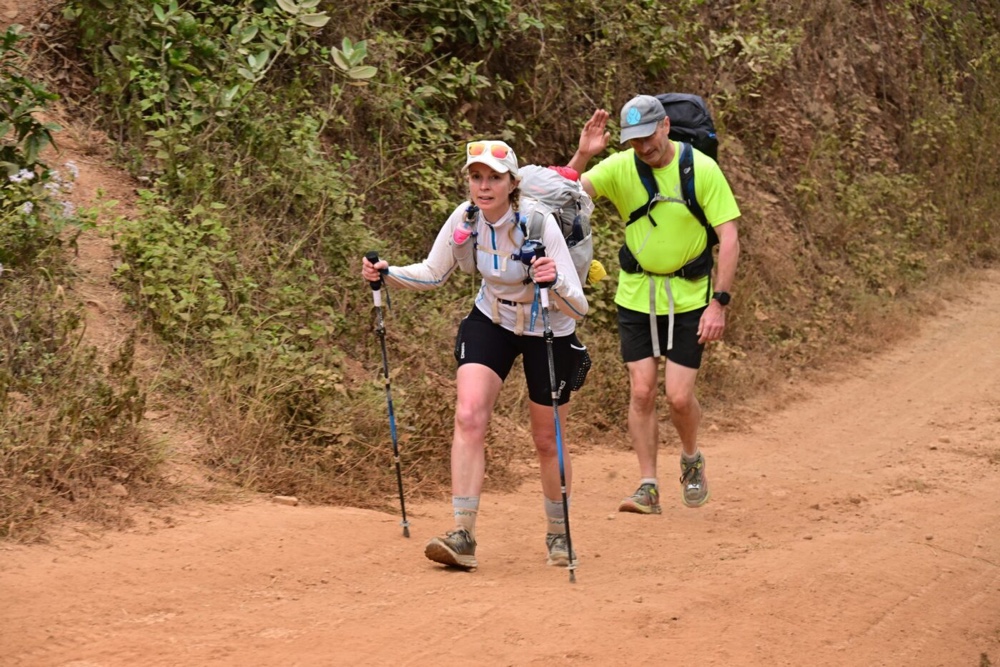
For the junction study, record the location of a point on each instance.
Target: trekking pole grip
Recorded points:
(372, 256)
(539, 253)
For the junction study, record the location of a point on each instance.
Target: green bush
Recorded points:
(69, 426)
(281, 142)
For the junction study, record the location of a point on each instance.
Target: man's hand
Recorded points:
(594, 137)
(713, 323)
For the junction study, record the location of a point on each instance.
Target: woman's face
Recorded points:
(490, 190)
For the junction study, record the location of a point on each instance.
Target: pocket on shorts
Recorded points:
(581, 365)
(459, 345)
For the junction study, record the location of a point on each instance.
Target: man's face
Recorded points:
(656, 150)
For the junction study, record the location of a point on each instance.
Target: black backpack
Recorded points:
(691, 122)
(692, 125)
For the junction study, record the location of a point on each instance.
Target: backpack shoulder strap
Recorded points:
(649, 182)
(686, 167)
(471, 214)
(533, 223)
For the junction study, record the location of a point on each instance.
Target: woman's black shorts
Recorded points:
(480, 341)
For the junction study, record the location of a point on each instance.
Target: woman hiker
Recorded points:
(485, 234)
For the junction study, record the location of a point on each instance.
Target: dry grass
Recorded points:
(843, 256)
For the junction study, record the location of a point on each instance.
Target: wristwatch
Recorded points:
(722, 297)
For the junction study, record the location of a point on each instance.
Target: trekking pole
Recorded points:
(376, 286)
(544, 289)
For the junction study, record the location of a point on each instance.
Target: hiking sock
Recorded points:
(650, 480)
(692, 458)
(555, 516)
(465, 509)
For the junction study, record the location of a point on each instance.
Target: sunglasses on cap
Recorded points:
(496, 149)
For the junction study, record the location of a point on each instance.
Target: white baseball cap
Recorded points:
(496, 155)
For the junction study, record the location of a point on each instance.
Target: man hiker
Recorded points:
(669, 303)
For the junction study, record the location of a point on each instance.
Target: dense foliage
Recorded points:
(280, 140)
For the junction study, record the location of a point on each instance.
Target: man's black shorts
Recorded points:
(637, 340)
(479, 341)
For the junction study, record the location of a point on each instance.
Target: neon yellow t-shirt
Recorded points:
(676, 239)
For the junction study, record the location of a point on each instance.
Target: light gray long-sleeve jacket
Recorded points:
(503, 294)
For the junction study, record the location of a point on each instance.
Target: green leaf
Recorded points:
(198, 117)
(118, 51)
(189, 68)
(289, 6)
(249, 34)
(160, 15)
(314, 20)
(362, 72)
(258, 61)
(339, 60)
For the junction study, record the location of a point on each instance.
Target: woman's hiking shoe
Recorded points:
(646, 500)
(558, 549)
(457, 548)
(694, 483)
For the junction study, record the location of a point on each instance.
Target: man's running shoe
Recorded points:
(694, 483)
(558, 549)
(457, 548)
(646, 500)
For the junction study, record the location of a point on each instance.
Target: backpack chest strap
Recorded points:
(685, 166)
(504, 258)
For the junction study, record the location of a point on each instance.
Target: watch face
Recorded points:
(722, 298)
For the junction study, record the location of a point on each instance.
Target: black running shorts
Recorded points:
(637, 340)
(480, 341)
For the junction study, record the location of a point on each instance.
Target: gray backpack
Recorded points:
(545, 191)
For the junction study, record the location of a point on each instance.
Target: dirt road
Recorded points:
(859, 526)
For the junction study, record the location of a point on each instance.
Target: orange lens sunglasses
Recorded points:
(497, 150)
